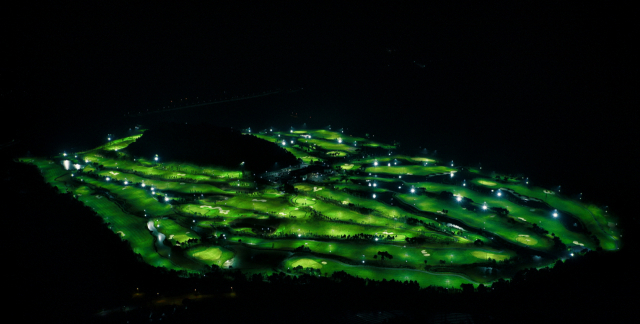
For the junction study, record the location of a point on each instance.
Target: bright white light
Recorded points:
(108, 178)
(369, 185)
(299, 235)
(362, 261)
(376, 238)
(375, 163)
(65, 154)
(66, 164)
(374, 196)
(77, 166)
(400, 177)
(291, 131)
(413, 190)
(499, 194)
(166, 198)
(555, 214)
(143, 185)
(86, 161)
(284, 143)
(271, 130)
(458, 198)
(571, 254)
(464, 184)
(375, 184)
(388, 164)
(109, 138)
(339, 140)
(126, 183)
(291, 142)
(156, 158)
(484, 207)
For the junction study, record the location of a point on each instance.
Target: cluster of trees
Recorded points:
(383, 254)
(187, 243)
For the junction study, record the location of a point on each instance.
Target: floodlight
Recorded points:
(126, 183)
(375, 163)
(499, 193)
(458, 198)
(143, 185)
(413, 190)
(484, 207)
(375, 184)
(374, 196)
(108, 178)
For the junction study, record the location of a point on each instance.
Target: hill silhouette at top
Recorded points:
(205, 144)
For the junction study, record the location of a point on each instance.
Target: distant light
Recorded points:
(464, 184)
(291, 142)
(375, 163)
(284, 143)
(374, 196)
(484, 207)
(166, 198)
(143, 185)
(499, 194)
(339, 140)
(362, 261)
(109, 138)
(571, 254)
(458, 198)
(376, 238)
(388, 164)
(156, 158)
(299, 235)
(413, 190)
(271, 130)
(108, 178)
(369, 185)
(65, 154)
(291, 131)
(126, 183)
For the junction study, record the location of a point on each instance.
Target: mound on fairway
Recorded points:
(208, 255)
(307, 263)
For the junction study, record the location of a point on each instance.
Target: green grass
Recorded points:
(212, 201)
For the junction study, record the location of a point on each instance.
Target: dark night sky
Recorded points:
(542, 90)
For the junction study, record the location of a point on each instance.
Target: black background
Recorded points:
(546, 90)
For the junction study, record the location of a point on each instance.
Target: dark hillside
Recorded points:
(205, 144)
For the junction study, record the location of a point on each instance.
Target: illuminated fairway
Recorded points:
(186, 216)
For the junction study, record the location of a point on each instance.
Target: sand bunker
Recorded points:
(324, 262)
(170, 237)
(578, 243)
(316, 189)
(114, 173)
(522, 219)
(424, 253)
(182, 174)
(260, 200)
(549, 192)
(121, 233)
(99, 197)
